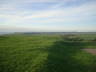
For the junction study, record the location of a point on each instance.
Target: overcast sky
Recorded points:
(47, 15)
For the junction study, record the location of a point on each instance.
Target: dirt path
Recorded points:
(92, 51)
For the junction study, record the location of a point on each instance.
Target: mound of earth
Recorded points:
(92, 51)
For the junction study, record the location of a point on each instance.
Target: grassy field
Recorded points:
(47, 53)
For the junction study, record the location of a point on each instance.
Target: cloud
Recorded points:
(70, 13)
(57, 15)
(32, 1)
(63, 12)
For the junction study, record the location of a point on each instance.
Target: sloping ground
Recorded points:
(45, 53)
(92, 51)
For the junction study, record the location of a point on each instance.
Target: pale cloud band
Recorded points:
(19, 15)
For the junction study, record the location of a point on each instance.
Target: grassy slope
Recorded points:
(45, 53)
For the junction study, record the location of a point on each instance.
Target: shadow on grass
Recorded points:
(61, 58)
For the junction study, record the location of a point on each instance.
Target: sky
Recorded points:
(47, 15)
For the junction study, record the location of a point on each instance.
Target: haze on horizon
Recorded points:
(47, 15)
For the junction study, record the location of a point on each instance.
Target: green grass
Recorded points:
(46, 53)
